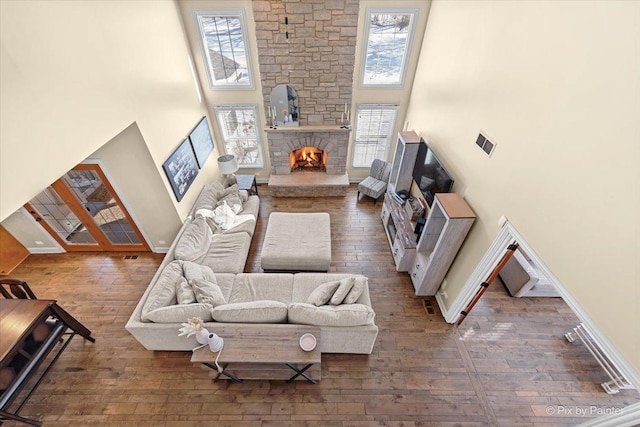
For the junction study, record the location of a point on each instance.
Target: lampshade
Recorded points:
(227, 164)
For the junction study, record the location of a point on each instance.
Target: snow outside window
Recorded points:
(239, 129)
(388, 38)
(222, 41)
(374, 127)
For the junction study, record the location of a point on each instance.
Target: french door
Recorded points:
(82, 212)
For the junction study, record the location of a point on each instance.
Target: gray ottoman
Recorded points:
(297, 242)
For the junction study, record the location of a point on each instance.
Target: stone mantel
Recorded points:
(304, 129)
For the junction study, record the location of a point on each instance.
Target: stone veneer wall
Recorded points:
(318, 58)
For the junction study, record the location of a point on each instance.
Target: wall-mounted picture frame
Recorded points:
(201, 141)
(181, 168)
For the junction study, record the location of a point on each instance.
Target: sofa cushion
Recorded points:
(207, 292)
(261, 311)
(342, 291)
(323, 293)
(331, 315)
(184, 292)
(359, 285)
(180, 313)
(228, 252)
(163, 292)
(244, 223)
(262, 286)
(194, 242)
(252, 206)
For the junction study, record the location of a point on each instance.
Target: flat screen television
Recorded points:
(430, 175)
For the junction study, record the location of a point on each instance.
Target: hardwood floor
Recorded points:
(507, 365)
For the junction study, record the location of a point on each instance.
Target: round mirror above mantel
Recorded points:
(284, 106)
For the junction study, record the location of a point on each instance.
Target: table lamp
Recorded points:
(227, 165)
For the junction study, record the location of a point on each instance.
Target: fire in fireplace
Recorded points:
(308, 159)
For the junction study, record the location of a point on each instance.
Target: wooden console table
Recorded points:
(264, 354)
(29, 331)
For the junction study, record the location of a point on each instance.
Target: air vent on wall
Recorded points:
(484, 143)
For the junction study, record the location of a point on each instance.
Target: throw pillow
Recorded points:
(223, 216)
(342, 291)
(233, 200)
(323, 293)
(184, 292)
(229, 190)
(331, 315)
(194, 242)
(197, 271)
(359, 285)
(207, 292)
(208, 196)
(163, 292)
(261, 311)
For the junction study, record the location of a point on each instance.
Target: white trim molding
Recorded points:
(624, 417)
(507, 235)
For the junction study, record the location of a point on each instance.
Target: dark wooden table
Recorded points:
(23, 348)
(17, 319)
(247, 182)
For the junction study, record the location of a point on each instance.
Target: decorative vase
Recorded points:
(215, 343)
(202, 336)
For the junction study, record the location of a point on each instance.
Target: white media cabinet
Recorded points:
(447, 224)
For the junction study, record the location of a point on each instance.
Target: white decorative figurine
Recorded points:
(195, 326)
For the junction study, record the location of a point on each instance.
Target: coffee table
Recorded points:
(263, 353)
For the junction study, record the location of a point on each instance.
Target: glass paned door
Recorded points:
(83, 213)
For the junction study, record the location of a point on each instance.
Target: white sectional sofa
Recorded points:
(266, 300)
(201, 276)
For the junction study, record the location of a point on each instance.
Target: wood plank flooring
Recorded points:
(507, 365)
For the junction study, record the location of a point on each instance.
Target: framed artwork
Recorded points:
(201, 141)
(181, 169)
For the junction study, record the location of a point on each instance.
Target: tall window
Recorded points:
(374, 129)
(222, 40)
(239, 128)
(388, 39)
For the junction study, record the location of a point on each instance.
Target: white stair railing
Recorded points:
(618, 381)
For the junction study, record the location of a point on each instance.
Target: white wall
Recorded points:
(133, 174)
(557, 86)
(75, 74)
(222, 96)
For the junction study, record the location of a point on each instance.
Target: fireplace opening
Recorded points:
(308, 159)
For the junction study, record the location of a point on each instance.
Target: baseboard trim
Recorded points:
(45, 250)
(443, 307)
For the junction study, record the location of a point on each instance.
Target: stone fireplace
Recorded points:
(331, 140)
(308, 160)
